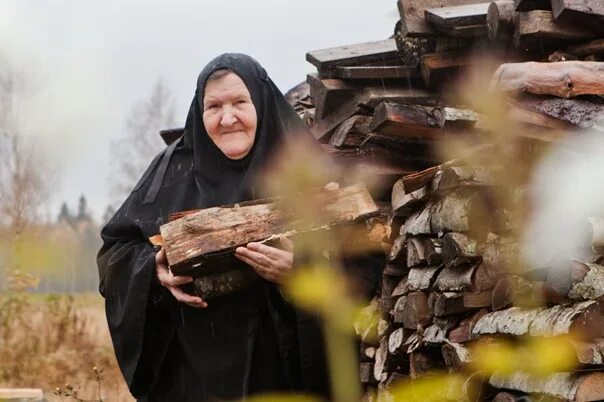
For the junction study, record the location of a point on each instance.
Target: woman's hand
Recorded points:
(271, 263)
(173, 283)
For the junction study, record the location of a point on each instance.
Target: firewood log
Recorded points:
(583, 319)
(450, 303)
(538, 28)
(416, 311)
(464, 330)
(500, 19)
(422, 278)
(456, 356)
(193, 242)
(568, 386)
(564, 79)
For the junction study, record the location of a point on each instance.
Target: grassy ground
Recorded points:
(48, 341)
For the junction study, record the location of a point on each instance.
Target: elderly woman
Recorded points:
(171, 345)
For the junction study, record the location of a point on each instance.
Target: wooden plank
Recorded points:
(352, 55)
(328, 94)
(539, 28)
(458, 16)
(376, 72)
(529, 5)
(196, 241)
(562, 79)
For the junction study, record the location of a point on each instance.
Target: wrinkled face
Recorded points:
(229, 115)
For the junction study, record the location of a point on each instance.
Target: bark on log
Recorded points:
(224, 283)
(564, 79)
(584, 319)
(500, 19)
(463, 332)
(513, 290)
(566, 114)
(591, 285)
(195, 241)
(456, 356)
(398, 252)
(420, 363)
(437, 332)
(568, 386)
(422, 278)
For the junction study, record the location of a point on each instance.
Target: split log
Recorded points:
(398, 252)
(456, 356)
(528, 5)
(459, 246)
(368, 354)
(399, 310)
(352, 55)
(464, 330)
(513, 290)
(198, 240)
(440, 68)
(465, 276)
(564, 79)
(405, 203)
(395, 270)
(345, 136)
(500, 19)
(415, 121)
(423, 251)
(462, 210)
(562, 281)
(538, 28)
(379, 368)
(396, 344)
(370, 96)
(568, 386)
(422, 278)
(400, 289)
(437, 332)
(420, 363)
(591, 353)
(416, 311)
(450, 303)
(328, 94)
(460, 176)
(591, 285)
(584, 319)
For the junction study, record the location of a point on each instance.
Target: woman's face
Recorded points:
(229, 115)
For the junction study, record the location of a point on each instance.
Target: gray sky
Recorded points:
(90, 62)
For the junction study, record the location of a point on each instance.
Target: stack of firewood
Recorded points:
(454, 278)
(380, 105)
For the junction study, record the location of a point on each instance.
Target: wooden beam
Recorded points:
(352, 55)
(538, 28)
(458, 16)
(198, 240)
(412, 14)
(327, 94)
(409, 73)
(438, 69)
(563, 114)
(567, 9)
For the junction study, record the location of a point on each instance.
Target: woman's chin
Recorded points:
(235, 153)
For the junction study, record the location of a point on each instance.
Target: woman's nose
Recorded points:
(228, 118)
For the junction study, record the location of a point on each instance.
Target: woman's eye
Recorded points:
(212, 107)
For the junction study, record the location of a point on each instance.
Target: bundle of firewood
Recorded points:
(453, 279)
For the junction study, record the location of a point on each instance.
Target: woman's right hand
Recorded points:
(173, 283)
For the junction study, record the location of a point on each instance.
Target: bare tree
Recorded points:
(25, 177)
(141, 142)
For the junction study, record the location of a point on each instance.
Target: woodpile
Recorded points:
(454, 276)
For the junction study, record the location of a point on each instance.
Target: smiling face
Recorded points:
(229, 115)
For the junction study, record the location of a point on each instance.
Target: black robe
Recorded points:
(249, 342)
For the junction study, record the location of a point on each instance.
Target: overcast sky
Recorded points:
(90, 62)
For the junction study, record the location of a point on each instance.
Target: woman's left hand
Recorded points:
(271, 263)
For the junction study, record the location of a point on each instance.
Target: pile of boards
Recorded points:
(386, 105)
(453, 276)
